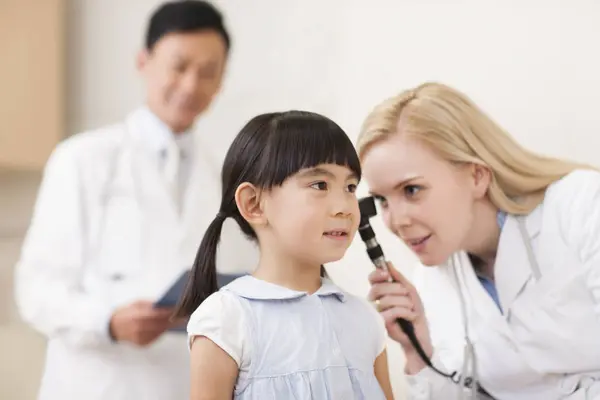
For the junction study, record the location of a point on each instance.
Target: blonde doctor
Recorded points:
(509, 291)
(119, 216)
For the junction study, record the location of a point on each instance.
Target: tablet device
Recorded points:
(171, 297)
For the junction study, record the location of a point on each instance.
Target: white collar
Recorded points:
(157, 135)
(256, 289)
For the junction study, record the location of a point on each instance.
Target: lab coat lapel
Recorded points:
(513, 270)
(479, 300)
(145, 167)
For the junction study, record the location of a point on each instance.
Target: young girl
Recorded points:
(285, 332)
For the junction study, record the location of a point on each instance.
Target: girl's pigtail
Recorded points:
(203, 277)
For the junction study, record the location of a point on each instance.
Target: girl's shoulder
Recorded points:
(218, 303)
(221, 318)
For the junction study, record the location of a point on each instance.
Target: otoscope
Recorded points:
(375, 252)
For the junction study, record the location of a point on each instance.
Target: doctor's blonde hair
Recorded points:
(453, 126)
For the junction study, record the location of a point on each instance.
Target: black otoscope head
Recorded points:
(368, 210)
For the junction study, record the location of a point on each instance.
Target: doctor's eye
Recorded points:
(381, 201)
(321, 185)
(352, 187)
(208, 73)
(412, 190)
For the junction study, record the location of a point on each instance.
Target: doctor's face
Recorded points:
(183, 72)
(425, 200)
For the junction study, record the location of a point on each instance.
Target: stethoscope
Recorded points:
(375, 253)
(106, 193)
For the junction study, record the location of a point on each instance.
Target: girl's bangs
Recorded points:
(306, 141)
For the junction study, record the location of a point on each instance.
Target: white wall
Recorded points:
(533, 65)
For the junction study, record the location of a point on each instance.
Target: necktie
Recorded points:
(172, 170)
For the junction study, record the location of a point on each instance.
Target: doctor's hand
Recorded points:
(140, 323)
(399, 299)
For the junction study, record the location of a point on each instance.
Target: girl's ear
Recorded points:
(247, 199)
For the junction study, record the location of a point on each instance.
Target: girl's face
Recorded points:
(314, 215)
(425, 200)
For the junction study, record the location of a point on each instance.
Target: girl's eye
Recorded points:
(412, 190)
(319, 185)
(352, 188)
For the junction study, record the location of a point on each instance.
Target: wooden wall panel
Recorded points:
(32, 80)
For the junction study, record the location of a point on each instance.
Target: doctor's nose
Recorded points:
(189, 83)
(397, 217)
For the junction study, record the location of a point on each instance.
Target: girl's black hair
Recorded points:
(269, 149)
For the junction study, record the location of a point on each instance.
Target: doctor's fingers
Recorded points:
(378, 276)
(150, 326)
(153, 313)
(391, 314)
(397, 276)
(386, 289)
(144, 338)
(152, 323)
(387, 302)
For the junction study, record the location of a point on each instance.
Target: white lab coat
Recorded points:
(546, 346)
(105, 233)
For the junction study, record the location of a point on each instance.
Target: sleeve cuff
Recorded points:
(421, 385)
(94, 329)
(222, 345)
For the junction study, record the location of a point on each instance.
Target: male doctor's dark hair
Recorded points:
(183, 17)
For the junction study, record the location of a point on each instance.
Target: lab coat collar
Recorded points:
(156, 135)
(256, 289)
(148, 134)
(513, 270)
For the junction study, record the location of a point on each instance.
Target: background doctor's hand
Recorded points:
(140, 323)
(399, 299)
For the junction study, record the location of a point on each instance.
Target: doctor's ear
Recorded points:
(142, 59)
(482, 177)
(248, 201)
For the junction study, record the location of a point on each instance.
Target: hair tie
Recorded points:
(222, 216)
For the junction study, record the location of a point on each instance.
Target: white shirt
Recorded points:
(159, 137)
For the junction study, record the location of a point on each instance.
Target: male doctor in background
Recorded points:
(119, 216)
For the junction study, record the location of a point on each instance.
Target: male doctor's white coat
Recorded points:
(106, 232)
(546, 343)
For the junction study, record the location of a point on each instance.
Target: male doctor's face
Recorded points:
(183, 72)
(425, 200)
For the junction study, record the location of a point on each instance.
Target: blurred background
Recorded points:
(69, 65)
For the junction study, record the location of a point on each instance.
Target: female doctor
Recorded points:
(509, 294)
(118, 219)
